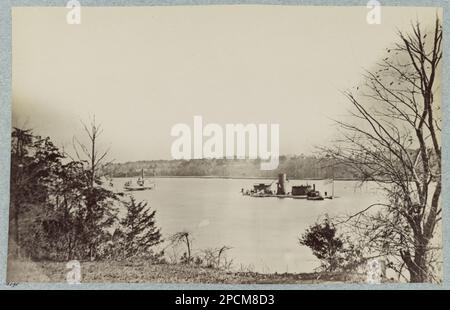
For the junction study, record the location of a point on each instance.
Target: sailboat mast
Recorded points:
(332, 188)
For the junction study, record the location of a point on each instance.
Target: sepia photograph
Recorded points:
(226, 144)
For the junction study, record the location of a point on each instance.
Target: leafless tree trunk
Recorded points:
(183, 237)
(95, 160)
(90, 154)
(394, 140)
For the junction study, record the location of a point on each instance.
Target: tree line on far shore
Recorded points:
(296, 166)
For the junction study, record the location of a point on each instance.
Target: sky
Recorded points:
(141, 70)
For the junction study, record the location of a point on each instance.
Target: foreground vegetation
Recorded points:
(61, 211)
(145, 272)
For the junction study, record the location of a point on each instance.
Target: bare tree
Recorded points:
(183, 237)
(216, 258)
(100, 211)
(394, 140)
(90, 154)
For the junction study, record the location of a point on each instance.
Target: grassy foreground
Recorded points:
(144, 272)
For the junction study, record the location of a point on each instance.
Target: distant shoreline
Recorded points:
(296, 167)
(228, 177)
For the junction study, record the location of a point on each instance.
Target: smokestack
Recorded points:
(281, 190)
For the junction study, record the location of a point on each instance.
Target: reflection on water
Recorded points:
(263, 232)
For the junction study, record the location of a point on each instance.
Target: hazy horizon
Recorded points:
(142, 70)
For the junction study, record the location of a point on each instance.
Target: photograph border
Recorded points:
(5, 142)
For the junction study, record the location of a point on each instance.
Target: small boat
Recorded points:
(140, 185)
(314, 195)
(264, 190)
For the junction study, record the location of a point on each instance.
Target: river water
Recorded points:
(263, 232)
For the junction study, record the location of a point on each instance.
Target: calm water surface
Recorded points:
(263, 232)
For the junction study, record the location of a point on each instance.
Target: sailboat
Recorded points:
(140, 185)
(328, 181)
